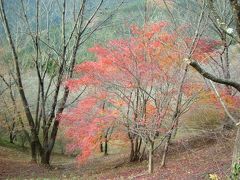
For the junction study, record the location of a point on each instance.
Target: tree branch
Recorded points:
(212, 77)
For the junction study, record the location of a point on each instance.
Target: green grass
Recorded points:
(7, 144)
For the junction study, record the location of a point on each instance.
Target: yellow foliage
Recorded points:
(213, 177)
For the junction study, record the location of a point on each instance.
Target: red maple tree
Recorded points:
(137, 80)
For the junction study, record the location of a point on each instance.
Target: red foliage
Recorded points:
(204, 48)
(149, 61)
(85, 123)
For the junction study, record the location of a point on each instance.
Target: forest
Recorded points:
(120, 89)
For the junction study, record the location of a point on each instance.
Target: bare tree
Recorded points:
(223, 17)
(54, 60)
(12, 113)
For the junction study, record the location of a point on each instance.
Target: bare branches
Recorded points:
(221, 23)
(54, 56)
(16, 63)
(212, 77)
(78, 96)
(223, 104)
(236, 11)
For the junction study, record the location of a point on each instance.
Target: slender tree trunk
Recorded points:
(236, 150)
(175, 130)
(101, 147)
(11, 137)
(150, 158)
(11, 132)
(106, 140)
(175, 118)
(136, 149)
(142, 155)
(132, 151)
(106, 147)
(165, 151)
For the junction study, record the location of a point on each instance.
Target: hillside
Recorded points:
(120, 89)
(192, 158)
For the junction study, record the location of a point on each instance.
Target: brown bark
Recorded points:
(106, 147)
(101, 147)
(11, 137)
(136, 153)
(33, 151)
(45, 158)
(212, 77)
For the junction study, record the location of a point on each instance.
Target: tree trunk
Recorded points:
(142, 155)
(11, 137)
(101, 147)
(175, 130)
(150, 158)
(45, 158)
(25, 136)
(33, 152)
(132, 151)
(49, 147)
(136, 154)
(106, 147)
(36, 147)
(11, 132)
(165, 151)
(236, 150)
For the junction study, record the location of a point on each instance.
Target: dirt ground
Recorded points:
(191, 159)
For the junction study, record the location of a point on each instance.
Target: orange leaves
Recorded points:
(133, 82)
(157, 27)
(85, 67)
(75, 84)
(98, 50)
(150, 109)
(148, 31)
(193, 88)
(119, 103)
(208, 97)
(147, 55)
(205, 48)
(85, 124)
